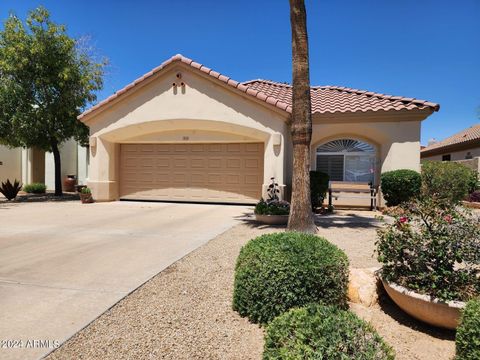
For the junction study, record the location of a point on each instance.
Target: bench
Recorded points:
(363, 189)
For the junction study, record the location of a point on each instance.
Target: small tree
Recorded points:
(46, 79)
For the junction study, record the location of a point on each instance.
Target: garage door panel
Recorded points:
(192, 172)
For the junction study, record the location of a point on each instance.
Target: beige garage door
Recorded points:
(192, 172)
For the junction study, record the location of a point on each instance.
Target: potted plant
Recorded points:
(272, 211)
(430, 255)
(86, 195)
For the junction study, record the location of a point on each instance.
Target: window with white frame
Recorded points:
(347, 160)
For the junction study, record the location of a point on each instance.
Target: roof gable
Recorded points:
(214, 74)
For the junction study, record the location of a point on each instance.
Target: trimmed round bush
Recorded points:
(323, 332)
(467, 340)
(276, 272)
(399, 186)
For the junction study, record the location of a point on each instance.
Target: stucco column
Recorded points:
(103, 177)
(274, 164)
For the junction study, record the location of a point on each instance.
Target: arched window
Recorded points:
(347, 160)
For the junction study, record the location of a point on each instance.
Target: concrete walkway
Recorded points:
(63, 264)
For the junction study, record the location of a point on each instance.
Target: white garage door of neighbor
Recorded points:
(230, 172)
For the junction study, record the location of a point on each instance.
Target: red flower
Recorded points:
(403, 219)
(448, 219)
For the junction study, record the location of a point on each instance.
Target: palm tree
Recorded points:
(301, 216)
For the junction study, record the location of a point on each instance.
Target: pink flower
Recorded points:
(448, 219)
(403, 219)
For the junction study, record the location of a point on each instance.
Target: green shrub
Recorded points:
(433, 250)
(10, 190)
(448, 181)
(274, 207)
(276, 272)
(399, 186)
(85, 190)
(323, 332)
(318, 187)
(467, 340)
(35, 188)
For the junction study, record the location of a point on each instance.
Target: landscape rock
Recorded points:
(363, 286)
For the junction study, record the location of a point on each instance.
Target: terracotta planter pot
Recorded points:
(69, 183)
(86, 198)
(434, 312)
(272, 219)
(473, 205)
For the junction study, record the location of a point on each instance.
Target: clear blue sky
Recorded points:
(427, 49)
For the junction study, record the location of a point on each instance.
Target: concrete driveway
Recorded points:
(62, 263)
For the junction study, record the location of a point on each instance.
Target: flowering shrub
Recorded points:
(432, 249)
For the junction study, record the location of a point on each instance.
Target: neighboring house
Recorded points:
(34, 165)
(183, 132)
(463, 145)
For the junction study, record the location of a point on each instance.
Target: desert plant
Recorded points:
(467, 339)
(318, 187)
(86, 190)
(433, 250)
(10, 190)
(276, 272)
(447, 181)
(35, 188)
(323, 332)
(399, 186)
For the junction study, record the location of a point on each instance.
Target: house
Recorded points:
(184, 132)
(463, 145)
(34, 165)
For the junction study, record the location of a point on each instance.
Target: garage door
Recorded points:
(230, 172)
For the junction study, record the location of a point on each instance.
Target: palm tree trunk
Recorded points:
(301, 216)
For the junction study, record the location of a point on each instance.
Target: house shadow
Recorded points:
(342, 219)
(348, 219)
(248, 218)
(392, 310)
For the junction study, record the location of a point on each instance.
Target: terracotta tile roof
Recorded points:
(325, 99)
(336, 99)
(462, 137)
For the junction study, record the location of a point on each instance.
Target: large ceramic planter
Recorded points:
(272, 219)
(69, 183)
(434, 312)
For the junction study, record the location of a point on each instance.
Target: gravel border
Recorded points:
(185, 311)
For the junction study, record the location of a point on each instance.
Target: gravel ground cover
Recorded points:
(185, 311)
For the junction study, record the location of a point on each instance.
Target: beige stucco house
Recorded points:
(463, 145)
(184, 132)
(34, 165)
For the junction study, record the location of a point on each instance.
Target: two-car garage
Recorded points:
(203, 172)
